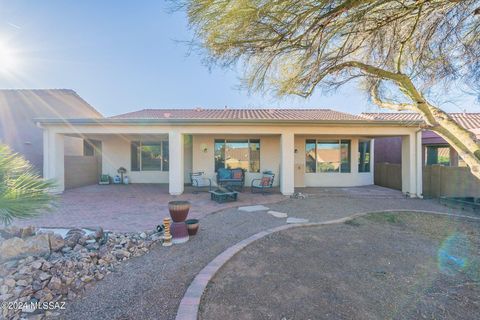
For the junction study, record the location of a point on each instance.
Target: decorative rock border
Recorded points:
(39, 267)
(190, 303)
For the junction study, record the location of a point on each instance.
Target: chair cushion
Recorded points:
(237, 174)
(265, 182)
(224, 174)
(201, 181)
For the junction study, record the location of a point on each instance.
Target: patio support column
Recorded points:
(54, 159)
(176, 163)
(419, 160)
(287, 165)
(409, 165)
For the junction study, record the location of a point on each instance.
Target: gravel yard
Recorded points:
(151, 287)
(381, 266)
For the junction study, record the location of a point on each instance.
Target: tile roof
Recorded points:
(467, 120)
(242, 114)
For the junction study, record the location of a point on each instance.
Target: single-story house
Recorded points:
(303, 147)
(18, 108)
(435, 150)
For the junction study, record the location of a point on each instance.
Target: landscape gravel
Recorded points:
(151, 286)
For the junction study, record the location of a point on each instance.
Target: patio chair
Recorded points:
(263, 184)
(200, 181)
(232, 178)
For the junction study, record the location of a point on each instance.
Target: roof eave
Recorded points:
(110, 121)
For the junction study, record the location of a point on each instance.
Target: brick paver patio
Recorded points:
(134, 207)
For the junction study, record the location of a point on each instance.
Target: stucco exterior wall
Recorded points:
(19, 108)
(269, 155)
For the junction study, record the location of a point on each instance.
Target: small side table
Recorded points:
(221, 196)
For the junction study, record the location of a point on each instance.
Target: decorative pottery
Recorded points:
(178, 210)
(167, 237)
(179, 232)
(192, 226)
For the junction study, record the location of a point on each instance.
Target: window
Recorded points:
(88, 149)
(149, 156)
(327, 156)
(91, 147)
(254, 155)
(345, 155)
(364, 156)
(310, 156)
(233, 154)
(219, 154)
(438, 155)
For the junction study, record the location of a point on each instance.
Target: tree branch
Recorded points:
(409, 37)
(377, 99)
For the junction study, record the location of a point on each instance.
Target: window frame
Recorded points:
(138, 144)
(340, 142)
(223, 156)
(437, 147)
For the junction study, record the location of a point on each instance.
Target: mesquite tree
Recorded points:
(401, 50)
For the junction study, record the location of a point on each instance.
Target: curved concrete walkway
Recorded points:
(190, 303)
(151, 286)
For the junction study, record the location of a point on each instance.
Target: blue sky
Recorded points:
(122, 56)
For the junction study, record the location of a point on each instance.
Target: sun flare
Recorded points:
(8, 59)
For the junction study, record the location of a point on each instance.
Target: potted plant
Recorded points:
(192, 226)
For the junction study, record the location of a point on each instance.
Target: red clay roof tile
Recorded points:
(467, 120)
(241, 114)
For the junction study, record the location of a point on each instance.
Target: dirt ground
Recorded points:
(381, 266)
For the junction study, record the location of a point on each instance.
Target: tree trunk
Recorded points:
(462, 140)
(437, 120)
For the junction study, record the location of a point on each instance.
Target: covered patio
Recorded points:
(133, 207)
(302, 147)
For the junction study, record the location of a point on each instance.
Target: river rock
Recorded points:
(37, 264)
(56, 242)
(4, 289)
(27, 232)
(44, 276)
(55, 283)
(98, 233)
(73, 236)
(9, 282)
(22, 283)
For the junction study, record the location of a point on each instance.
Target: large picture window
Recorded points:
(233, 154)
(327, 156)
(364, 156)
(149, 156)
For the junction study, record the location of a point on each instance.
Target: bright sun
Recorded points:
(8, 59)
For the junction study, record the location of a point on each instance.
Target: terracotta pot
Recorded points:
(179, 232)
(192, 225)
(178, 210)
